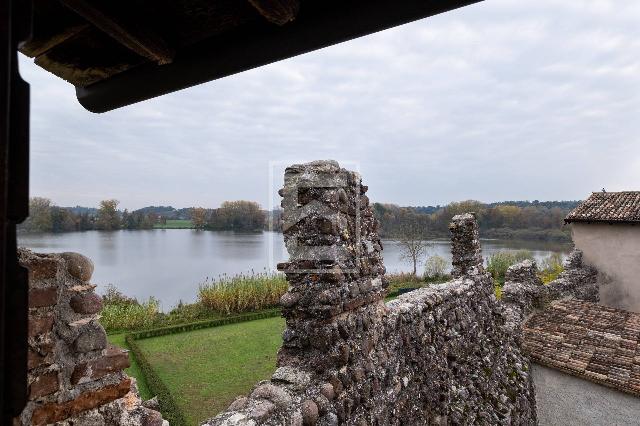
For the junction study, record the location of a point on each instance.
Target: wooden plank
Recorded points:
(134, 36)
(279, 12)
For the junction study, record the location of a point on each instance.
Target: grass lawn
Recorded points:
(206, 369)
(175, 224)
(134, 370)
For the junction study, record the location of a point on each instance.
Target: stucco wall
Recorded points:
(566, 400)
(614, 250)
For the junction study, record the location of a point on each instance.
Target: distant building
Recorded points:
(606, 227)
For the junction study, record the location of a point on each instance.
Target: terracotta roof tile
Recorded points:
(587, 340)
(608, 207)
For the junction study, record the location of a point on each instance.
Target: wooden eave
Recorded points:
(117, 53)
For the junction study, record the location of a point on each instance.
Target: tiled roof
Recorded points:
(608, 207)
(584, 339)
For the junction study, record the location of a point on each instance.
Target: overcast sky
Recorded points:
(501, 100)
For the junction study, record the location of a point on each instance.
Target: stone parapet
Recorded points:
(75, 377)
(438, 355)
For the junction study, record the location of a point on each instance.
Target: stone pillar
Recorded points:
(465, 246)
(335, 261)
(74, 375)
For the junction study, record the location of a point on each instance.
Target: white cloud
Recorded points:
(499, 100)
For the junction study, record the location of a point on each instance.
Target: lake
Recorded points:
(169, 264)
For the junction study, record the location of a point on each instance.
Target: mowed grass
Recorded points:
(175, 224)
(206, 369)
(134, 369)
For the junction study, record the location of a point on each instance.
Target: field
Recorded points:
(175, 224)
(206, 369)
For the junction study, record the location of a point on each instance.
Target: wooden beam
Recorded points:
(277, 11)
(39, 44)
(134, 36)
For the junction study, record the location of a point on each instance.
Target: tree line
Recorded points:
(506, 220)
(509, 220)
(44, 216)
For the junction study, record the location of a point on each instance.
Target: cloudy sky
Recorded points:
(501, 100)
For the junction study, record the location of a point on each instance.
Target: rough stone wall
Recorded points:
(524, 292)
(439, 355)
(75, 377)
(465, 246)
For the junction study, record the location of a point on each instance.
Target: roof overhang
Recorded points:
(317, 24)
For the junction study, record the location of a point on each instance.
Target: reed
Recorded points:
(242, 293)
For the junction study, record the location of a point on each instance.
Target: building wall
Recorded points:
(614, 250)
(566, 400)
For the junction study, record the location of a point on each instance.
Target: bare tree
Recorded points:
(413, 246)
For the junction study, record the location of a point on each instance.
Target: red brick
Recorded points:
(40, 325)
(55, 412)
(40, 297)
(44, 385)
(88, 303)
(34, 359)
(41, 268)
(114, 359)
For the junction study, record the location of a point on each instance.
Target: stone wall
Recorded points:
(524, 292)
(75, 377)
(439, 355)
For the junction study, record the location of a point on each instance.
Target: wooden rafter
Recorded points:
(136, 37)
(277, 11)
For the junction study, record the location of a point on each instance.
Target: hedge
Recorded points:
(170, 409)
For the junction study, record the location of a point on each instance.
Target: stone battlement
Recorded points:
(437, 355)
(74, 376)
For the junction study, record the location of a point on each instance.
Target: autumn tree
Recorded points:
(238, 215)
(199, 217)
(108, 218)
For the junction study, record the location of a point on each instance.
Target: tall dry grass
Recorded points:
(242, 293)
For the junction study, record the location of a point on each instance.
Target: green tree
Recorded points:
(39, 219)
(108, 218)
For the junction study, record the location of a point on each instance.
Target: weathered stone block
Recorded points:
(44, 384)
(55, 411)
(309, 413)
(114, 359)
(42, 297)
(79, 266)
(87, 303)
(93, 338)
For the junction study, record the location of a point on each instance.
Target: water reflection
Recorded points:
(170, 264)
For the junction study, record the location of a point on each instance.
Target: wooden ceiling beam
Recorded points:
(136, 37)
(279, 12)
(39, 44)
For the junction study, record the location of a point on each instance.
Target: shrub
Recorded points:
(123, 313)
(435, 268)
(242, 293)
(499, 262)
(551, 267)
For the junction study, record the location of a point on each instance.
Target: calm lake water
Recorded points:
(170, 263)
